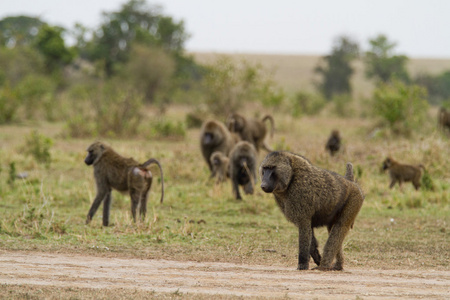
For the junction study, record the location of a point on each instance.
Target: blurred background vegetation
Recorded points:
(136, 58)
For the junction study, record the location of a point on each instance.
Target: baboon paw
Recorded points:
(303, 267)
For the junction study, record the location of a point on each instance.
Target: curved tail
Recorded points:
(154, 161)
(349, 172)
(272, 123)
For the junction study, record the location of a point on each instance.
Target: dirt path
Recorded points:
(66, 270)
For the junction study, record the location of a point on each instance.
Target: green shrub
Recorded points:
(403, 108)
(306, 103)
(9, 104)
(342, 105)
(169, 129)
(427, 181)
(38, 146)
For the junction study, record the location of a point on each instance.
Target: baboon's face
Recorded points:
(268, 179)
(387, 164)
(95, 151)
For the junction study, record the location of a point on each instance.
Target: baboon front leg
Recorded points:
(106, 209)
(248, 188)
(101, 195)
(236, 190)
(392, 183)
(304, 246)
(314, 251)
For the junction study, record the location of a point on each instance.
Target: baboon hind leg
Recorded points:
(143, 205)
(135, 196)
(106, 209)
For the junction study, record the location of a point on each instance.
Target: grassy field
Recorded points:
(296, 72)
(201, 221)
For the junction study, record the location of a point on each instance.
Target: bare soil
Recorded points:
(212, 278)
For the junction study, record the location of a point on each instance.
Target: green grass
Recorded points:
(201, 221)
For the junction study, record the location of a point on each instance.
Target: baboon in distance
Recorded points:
(243, 168)
(403, 173)
(311, 197)
(334, 142)
(220, 164)
(444, 118)
(214, 136)
(113, 171)
(251, 130)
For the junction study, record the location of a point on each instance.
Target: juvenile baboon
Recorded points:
(444, 118)
(334, 142)
(214, 136)
(220, 164)
(251, 130)
(311, 197)
(403, 173)
(243, 168)
(113, 171)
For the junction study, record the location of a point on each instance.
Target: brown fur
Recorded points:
(214, 136)
(251, 130)
(444, 119)
(113, 171)
(220, 164)
(312, 197)
(334, 142)
(243, 168)
(403, 173)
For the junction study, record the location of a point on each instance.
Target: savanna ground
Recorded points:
(200, 241)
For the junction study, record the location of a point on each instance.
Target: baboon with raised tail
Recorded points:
(312, 197)
(251, 130)
(113, 171)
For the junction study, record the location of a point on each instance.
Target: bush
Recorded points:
(9, 104)
(403, 108)
(168, 129)
(38, 146)
(306, 103)
(342, 105)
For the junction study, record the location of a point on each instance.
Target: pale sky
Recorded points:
(421, 29)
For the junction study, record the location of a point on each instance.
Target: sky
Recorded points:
(420, 29)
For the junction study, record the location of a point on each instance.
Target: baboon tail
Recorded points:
(154, 161)
(349, 172)
(272, 123)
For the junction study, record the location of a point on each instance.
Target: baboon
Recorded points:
(312, 197)
(243, 168)
(334, 142)
(220, 164)
(214, 136)
(403, 173)
(251, 130)
(113, 171)
(444, 118)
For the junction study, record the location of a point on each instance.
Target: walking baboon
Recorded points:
(444, 118)
(214, 136)
(251, 130)
(243, 168)
(311, 197)
(220, 164)
(403, 173)
(334, 142)
(113, 171)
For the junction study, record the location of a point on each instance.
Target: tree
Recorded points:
(337, 71)
(136, 22)
(19, 31)
(382, 64)
(438, 86)
(50, 44)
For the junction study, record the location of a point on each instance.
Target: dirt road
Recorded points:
(67, 270)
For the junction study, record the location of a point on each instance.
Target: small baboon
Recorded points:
(220, 164)
(251, 130)
(334, 142)
(113, 171)
(403, 173)
(243, 168)
(312, 197)
(444, 118)
(214, 136)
